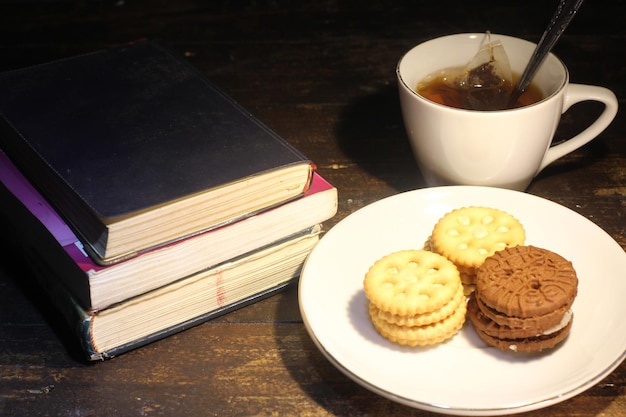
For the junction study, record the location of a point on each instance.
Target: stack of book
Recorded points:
(147, 201)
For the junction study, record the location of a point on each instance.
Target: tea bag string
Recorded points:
(560, 20)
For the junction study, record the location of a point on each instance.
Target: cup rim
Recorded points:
(414, 93)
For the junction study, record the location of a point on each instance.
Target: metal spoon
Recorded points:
(562, 17)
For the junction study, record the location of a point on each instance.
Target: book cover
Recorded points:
(96, 287)
(136, 148)
(180, 305)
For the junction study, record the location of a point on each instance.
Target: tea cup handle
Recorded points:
(577, 93)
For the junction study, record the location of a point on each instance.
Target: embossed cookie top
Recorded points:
(468, 235)
(411, 282)
(526, 281)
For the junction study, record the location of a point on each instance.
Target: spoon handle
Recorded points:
(561, 18)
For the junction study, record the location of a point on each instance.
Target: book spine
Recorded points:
(40, 227)
(74, 316)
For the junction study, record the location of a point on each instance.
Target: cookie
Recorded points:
(415, 297)
(538, 322)
(468, 235)
(411, 282)
(425, 335)
(527, 281)
(523, 299)
(424, 318)
(530, 344)
(484, 324)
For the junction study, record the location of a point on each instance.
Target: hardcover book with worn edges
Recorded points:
(136, 148)
(96, 287)
(175, 307)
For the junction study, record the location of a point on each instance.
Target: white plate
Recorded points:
(463, 376)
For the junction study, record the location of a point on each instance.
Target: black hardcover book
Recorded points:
(158, 313)
(137, 149)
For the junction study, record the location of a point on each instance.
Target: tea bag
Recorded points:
(487, 78)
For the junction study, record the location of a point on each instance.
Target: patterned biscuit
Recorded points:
(526, 281)
(468, 235)
(421, 319)
(537, 322)
(523, 298)
(429, 334)
(411, 282)
(530, 344)
(484, 324)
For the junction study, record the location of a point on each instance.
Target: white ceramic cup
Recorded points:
(493, 148)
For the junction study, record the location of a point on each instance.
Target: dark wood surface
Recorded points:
(322, 74)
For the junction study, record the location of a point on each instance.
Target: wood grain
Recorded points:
(322, 75)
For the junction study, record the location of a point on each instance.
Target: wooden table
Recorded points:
(322, 75)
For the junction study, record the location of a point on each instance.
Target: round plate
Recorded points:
(463, 376)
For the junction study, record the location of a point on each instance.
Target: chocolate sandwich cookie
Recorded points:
(517, 339)
(523, 298)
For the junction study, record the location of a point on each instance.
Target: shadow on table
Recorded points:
(371, 133)
(26, 305)
(317, 378)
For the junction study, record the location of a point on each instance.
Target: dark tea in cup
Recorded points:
(442, 87)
